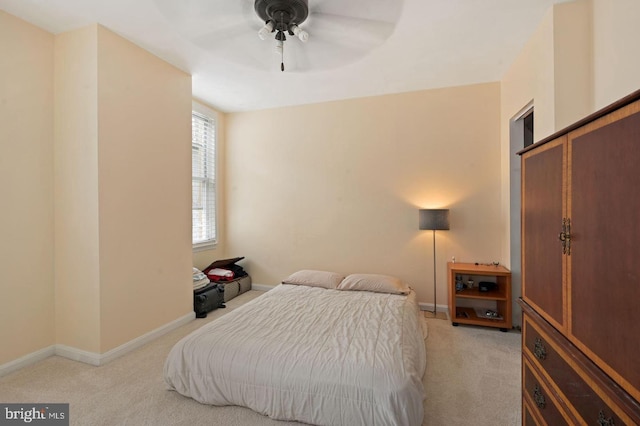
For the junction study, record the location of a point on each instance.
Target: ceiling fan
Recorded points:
(330, 33)
(281, 17)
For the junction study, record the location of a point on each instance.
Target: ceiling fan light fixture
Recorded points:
(266, 30)
(301, 34)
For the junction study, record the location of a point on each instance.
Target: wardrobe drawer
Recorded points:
(577, 381)
(539, 398)
(528, 414)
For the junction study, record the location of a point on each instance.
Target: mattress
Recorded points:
(315, 355)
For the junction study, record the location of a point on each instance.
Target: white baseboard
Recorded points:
(145, 338)
(27, 360)
(76, 354)
(93, 358)
(262, 287)
(429, 307)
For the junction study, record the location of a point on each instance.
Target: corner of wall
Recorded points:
(573, 62)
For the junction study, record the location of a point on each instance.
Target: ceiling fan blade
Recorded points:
(220, 37)
(378, 10)
(208, 9)
(359, 32)
(321, 53)
(229, 29)
(297, 60)
(195, 18)
(243, 48)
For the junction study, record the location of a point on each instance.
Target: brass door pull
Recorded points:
(565, 236)
(538, 397)
(603, 421)
(539, 350)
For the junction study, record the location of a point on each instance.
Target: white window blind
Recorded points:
(203, 160)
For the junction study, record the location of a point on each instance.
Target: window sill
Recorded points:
(206, 245)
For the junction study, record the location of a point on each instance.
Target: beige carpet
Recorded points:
(472, 377)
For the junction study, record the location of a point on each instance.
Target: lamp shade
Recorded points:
(434, 219)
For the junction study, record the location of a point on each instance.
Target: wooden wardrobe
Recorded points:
(581, 271)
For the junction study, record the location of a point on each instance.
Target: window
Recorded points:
(203, 184)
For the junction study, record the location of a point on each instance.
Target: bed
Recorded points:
(317, 355)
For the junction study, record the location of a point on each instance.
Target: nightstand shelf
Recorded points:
(469, 305)
(474, 293)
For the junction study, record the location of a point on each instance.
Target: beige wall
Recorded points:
(123, 185)
(26, 188)
(531, 78)
(202, 259)
(144, 190)
(77, 263)
(338, 185)
(615, 49)
(96, 176)
(573, 62)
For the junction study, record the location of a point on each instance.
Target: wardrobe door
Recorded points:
(543, 206)
(604, 263)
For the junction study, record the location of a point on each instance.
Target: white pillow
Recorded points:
(375, 283)
(313, 278)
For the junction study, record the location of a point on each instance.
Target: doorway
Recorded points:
(520, 136)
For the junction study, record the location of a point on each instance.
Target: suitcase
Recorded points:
(207, 299)
(235, 287)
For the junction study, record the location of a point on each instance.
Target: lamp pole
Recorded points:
(435, 305)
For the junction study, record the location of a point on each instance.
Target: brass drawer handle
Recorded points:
(539, 350)
(602, 421)
(538, 397)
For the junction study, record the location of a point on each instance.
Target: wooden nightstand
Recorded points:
(488, 305)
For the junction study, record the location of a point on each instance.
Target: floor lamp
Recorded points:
(435, 220)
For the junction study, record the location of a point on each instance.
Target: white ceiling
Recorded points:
(434, 43)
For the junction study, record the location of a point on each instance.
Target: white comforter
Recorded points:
(324, 357)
